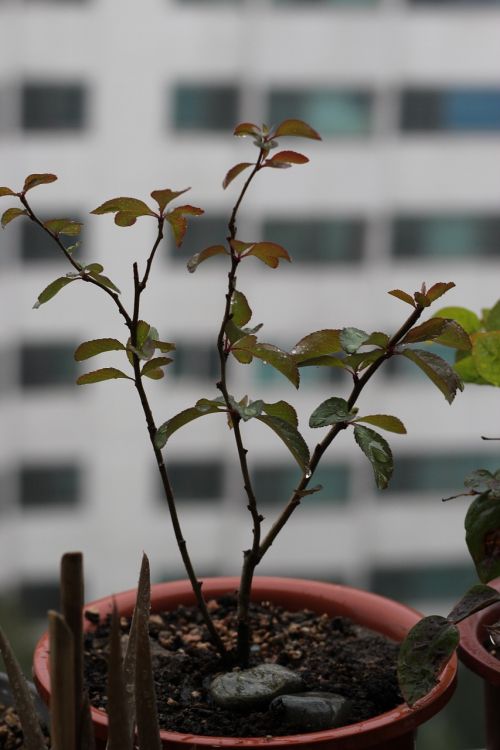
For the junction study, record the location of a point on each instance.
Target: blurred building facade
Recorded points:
(404, 188)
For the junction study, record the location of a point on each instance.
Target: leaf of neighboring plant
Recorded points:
(240, 309)
(291, 437)
(437, 370)
(482, 480)
(10, 215)
(486, 354)
(280, 360)
(235, 171)
(378, 452)
(132, 206)
(352, 338)
(62, 703)
(25, 707)
(329, 412)
(208, 252)
(492, 319)
(119, 734)
(269, 253)
(6, 191)
(423, 654)
(97, 346)
(297, 128)
(72, 601)
(51, 290)
(482, 534)
(152, 367)
(87, 738)
(466, 369)
(466, 318)
(286, 159)
(476, 598)
(404, 296)
(283, 410)
(167, 429)
(317, 344)
(385, 422)
(32, 180)
(97, 376)
(178, 222)
(437, 290)
(163, 197)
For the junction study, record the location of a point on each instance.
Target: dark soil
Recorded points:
(11, 734)
(331, 654)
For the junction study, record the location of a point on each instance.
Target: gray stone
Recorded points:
(255, 687)
(313, 711)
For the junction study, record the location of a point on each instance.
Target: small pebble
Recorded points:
(254, 687)
(311, 710)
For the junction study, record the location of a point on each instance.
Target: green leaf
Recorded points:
(163, 197)
(269, 253)
(63, 226)
(249, 409)
(242, 350)
(352, 338)
(52, 289)
(6, 191)
(492, 321)
(152, 367)
(483, 480)
(178, 222)
(282, 410)
(291, 438)
(378, 338)
(234, 172)
(423, 654)
(441, 330)
(325, 361)
(104, 281)
(378, 452)
(437, 370)
(10, 215)
(363, 359)
(437, 290)
(123, 205)
(466, 369)
(246, 128)
(404, 296)
(240, 309)
(296, 128)
(280, 360)
(167, 429)
(208, 252)
(94, 268)
(385, 422)
(317, 344)
(482, 534)
(106, 373)
(476, 598)
(163, 346)
(286, 159)
(97, 346)
(125, 219)
(33, 180)
(331, 411)
(486, 354)
(465, 318)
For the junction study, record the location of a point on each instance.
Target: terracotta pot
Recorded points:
(473, 654)
(394, 730)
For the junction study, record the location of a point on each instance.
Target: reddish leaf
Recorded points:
(6, 191)
(403, 296)
(247, 128)
(422, 299)
(437, 290)
(286, 159)
(33, 180)
(234, 172)
(163, 197)
(269, 253)
(208, 252)
(178, 222)
(239, 247)
(296, 128)
(10, 215)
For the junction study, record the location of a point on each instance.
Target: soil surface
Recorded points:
(11, 734)
(330, 653)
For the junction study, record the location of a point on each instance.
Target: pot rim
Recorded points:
(472, 636)
(394, 620)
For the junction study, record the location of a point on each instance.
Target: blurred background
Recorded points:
(123, 98)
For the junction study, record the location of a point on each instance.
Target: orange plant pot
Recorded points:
(393, 730)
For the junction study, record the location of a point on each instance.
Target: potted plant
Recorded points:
(359, 353)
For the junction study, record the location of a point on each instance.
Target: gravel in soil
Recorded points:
(331, 654)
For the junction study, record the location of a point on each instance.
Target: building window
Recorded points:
(36, 597)
(53, 106)
(47, 364)
(195, 360)
(37, 247)
(446, 236)
(202, 232)
(330, 112)
(200, 480)
(438, 473)
(309, 240)
(42, 485)
(438, 582)
(455, 109)
(205, 107)
(273, 484)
